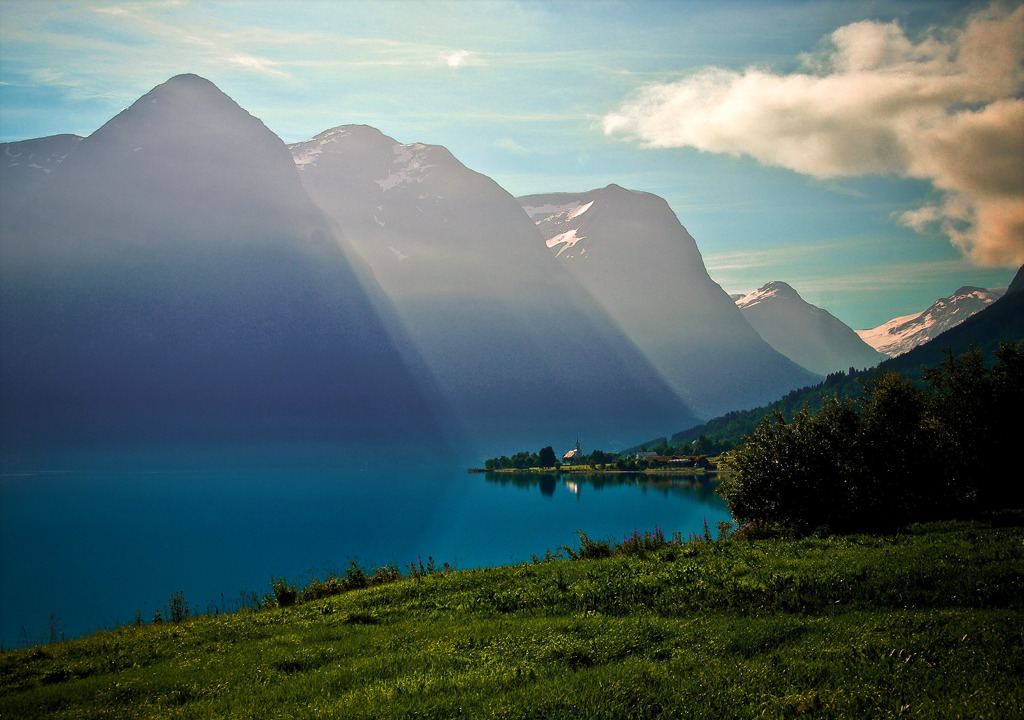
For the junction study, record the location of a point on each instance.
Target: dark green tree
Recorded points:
(900, 478)
(547, 457)
(978, 415)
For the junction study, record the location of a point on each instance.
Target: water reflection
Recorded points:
(699, 487)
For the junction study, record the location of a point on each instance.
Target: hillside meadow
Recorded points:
(926, 623)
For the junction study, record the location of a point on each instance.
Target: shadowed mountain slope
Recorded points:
(25, 165)
(521, 351)
(806, 334)
(630, 252)
(171, 280)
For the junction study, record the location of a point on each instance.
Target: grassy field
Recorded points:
(925, 624)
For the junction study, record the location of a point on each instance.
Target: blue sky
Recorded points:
(865, 152)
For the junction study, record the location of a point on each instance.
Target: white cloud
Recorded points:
(457, 58)
(945, 107)
(256, 64)
(512, 146)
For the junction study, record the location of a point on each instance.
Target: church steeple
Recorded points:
(574, 456)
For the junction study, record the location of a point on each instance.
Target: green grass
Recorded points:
(926, 624)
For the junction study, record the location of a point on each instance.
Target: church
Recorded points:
(574, 456)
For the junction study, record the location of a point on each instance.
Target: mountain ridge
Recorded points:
(906, 332)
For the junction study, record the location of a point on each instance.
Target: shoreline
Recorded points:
(693, 472)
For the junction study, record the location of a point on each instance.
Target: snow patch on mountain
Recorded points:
(569, 238)
(556, 214)
(580, 210)
(309, 152)
(546, 212)
(412, 166)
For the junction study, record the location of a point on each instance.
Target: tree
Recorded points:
(547, 457)
(978, 421)
(798, 474)
(900, 479)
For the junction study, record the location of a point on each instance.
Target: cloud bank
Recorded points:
(946, 107)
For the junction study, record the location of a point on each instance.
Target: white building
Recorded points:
(574, 456)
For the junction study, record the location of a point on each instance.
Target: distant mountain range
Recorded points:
(907, 332)
(182, 275)
(806, 334)
(1001, 321)
(519, 350)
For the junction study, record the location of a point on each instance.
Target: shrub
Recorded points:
(355, 578)
(284, 594)
(589, 549)
(637, 544)
(177, 608)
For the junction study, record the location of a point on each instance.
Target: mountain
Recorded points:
(25, 165)
(630, 252)
(907, 332)
(1001, 321)
(806, 334)
(522, 353)
(171, 280)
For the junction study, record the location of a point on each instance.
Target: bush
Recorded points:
(284, 594)
(177, 608)
(589, 549)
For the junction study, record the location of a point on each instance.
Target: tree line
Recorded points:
(900, 453)
(546, 458)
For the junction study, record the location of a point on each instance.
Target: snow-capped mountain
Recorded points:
(521, 352)
(630, 252)
(908, 331)
(1001, 321)
(171, 279)
(805, 333)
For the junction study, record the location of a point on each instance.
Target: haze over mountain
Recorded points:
(907, 332)
(171, 279)
(522, 353)
(182, 274)
(630, 252)
(806, 334)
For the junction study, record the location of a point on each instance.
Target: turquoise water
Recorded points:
(94, 539)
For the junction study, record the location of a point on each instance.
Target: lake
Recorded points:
(94, 538)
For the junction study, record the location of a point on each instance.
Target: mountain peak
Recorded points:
(183, 143)
(186, 93)
(189, 80)
(776, 289)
